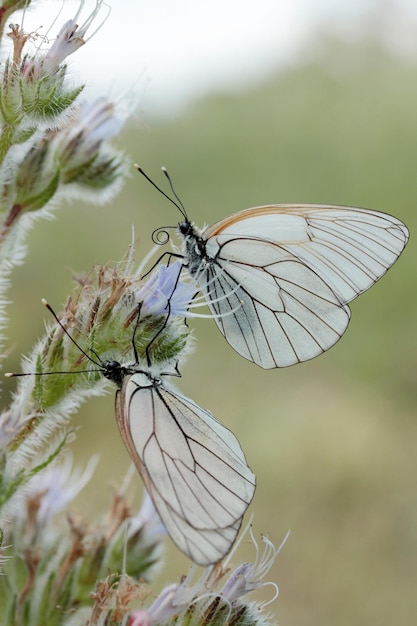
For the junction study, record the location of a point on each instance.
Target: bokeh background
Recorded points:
(329, 116)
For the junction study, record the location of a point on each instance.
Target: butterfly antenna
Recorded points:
(179, 205)
(50, 309)
(176, 196)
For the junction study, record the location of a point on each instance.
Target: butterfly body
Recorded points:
(195, 251)
(278, 278)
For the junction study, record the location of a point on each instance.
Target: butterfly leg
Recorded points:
(168, 307)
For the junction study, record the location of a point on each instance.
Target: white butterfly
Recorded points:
(278, 278)
(192, 466)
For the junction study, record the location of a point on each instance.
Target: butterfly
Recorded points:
(278, 278)
(191, 465)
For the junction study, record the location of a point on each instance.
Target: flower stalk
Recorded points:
(58, 567)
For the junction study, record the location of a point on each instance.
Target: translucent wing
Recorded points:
(278, 278)
(192, 466)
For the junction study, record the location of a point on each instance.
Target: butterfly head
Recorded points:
(114, 371)
(187, 230)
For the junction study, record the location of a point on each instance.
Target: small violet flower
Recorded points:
(171, 601)
(164, 292)
(70, 38)
(249, 576)
(175, 599)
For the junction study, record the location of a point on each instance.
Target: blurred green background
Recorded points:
(333, 441)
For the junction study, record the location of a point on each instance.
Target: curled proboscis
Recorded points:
(160, 236)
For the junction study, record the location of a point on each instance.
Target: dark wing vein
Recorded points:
(284, 312)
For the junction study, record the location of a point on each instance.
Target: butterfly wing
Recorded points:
(192, 466)
(282, 275)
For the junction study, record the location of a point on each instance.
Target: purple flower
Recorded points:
(177, 598)
(171, 601)
(164, 292)
(250, 576)
(70, 38)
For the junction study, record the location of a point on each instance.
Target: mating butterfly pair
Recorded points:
(278, 280)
